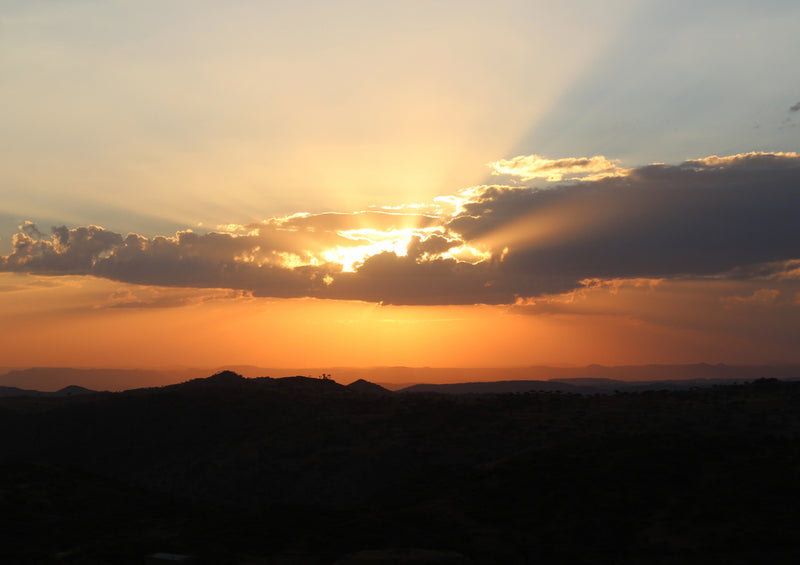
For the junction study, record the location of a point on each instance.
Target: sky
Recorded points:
(360, 183)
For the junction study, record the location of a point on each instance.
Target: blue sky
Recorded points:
(682, 80)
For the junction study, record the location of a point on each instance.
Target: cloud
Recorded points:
(777, 270)
(795, 108)
(391, 279)
(529, 167)
(741, 163)
(29, 229)
(702, 217)
(158, 297)
(762, 297)
(66, 252)
(339, 222)
(756, 315)
(727, 218)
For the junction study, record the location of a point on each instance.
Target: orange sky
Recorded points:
(77, 321)
(319, 183)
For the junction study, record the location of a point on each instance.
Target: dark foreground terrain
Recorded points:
(298, 470)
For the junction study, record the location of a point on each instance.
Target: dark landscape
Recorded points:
(235, 470)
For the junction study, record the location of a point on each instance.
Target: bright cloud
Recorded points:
(751, 160)
(529, 167)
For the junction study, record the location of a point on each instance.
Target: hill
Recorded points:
(71, 390)
(56, 378)
(497, 387)
(365, 387)
(573, 385)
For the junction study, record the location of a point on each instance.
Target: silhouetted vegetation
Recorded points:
(302, 470)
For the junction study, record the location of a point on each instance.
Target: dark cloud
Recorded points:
(212, 260)
(30, 229)
(778, 270)
(733, 217)
(795, 108)
(434, 244)
(391, 279)
(66, 252)
(700, 218)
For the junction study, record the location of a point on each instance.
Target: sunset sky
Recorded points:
(363, 183)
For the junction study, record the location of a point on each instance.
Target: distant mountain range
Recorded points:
(71, 390)
(574, 386)
(56, 378)
(593, 379)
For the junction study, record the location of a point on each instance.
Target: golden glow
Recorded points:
(529, 167)
(313, 236)
(723, 162)
(468, 254)
(292, 260)
(81, 321)
(352, 257)
(394, 241)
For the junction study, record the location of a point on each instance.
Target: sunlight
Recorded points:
(467, 254)
(395, 241)
(352, 257)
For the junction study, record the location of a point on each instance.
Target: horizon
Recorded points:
(485, 185)
(110, 379)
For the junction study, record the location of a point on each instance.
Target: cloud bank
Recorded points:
(733, 216)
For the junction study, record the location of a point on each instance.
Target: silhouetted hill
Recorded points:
(235, 470)
(576, 385)
(230, 381)
(71, 390)
(6, 391)
(493, 387)
(56, 378)
(307, 385)
(365, 387)
(223, 380)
